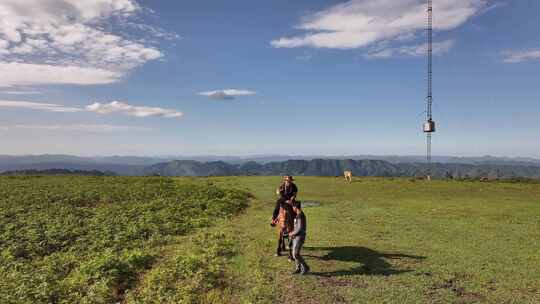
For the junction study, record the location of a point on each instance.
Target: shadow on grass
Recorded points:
(371, 262)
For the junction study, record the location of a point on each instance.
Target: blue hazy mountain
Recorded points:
(361, 165)
(335, 167)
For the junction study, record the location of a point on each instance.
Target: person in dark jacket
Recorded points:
(299, 237)
(287, 195)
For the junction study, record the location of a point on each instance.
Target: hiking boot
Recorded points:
(297, 271)
(305, 270)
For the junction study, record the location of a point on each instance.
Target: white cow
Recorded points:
(348, 175)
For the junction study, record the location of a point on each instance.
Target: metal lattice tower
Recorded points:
(429, 125)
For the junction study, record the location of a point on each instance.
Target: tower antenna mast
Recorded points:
(429, 125)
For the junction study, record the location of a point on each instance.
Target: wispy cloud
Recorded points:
(521, 56)
(21, 92)
(439, 48)
(380, 54)
(27, 74)
(71, 41)
(115, 107)
(93, 128)
(227, 94)
(493, 6)
(49, 107)
(130, 110)
(361, 23)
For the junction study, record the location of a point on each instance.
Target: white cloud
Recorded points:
(45, 35)
(439, 48)
(99, 108)
(521, 56)
(362, 23)
(227, 94)
(27, 74)
(127, 109)
(493, 6)
(97, 128)
(49, 107)
(13, 92)
(380, 54)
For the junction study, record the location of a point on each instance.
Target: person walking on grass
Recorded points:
(299, 237)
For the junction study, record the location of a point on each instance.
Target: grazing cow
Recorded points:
(420, 178)
(348, 175)
(484, 179)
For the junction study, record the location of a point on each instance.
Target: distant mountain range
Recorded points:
(363, 165)
(335, 167)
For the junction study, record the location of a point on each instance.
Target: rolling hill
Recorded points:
(334, 167)
(390, 166)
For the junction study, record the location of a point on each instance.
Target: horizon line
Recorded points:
(247, 156)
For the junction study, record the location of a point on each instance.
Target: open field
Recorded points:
(397, 241)
(87, 240)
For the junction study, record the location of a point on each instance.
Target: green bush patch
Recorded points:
(89, 239)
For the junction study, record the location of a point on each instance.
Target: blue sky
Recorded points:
(130, 77)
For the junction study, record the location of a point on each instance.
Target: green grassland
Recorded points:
(395, 241)
(90, 239)
(197, 240)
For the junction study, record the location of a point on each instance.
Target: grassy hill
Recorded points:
(397, 241)
(376, 240)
